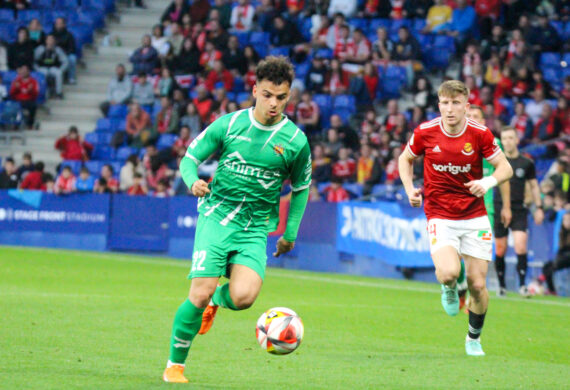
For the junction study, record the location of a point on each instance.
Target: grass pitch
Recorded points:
(81, 320)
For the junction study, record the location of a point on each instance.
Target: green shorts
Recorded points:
(217, 246)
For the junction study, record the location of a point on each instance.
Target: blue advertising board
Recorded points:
(182, 219)
(393, 233)
(40, 219)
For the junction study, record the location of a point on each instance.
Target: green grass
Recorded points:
(80, 320)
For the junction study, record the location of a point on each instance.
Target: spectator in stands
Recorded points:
(334, 31)
(562, 113)
(474, 93)
(534, 108)
(175, 39)
(345, 132)
(345, 166)
(199, 10)
(315, 78)
(393, 117)
(179, 101)
(157, 172)
(392, 174)
(285, 33)
(51, 61)
(547, 127)
(233, 57)
(308, 114)
(119, 90)
(182, 142)
(251, 55)
(562, 259)
(438, 16)
(497, 43)
(191, 119)
(521, 122)
(521, 58)
(26, 167)
(242, 16)
(250, 78)
(143, 92)
(166, 84)
(407, 53)
(383, 47)
(159, 41)
(34, 180)
(544, 36)
(145, 58)
(132, 167)
(423, 93)
(106, 183)
(65, 183)
(219, 74)
(138, 187)
(493, 70)
(17, 5)
(369, 125)
(358, 51)
(25, 90)
(371, 79)
(321, 164)
(4, 93)
(418, 117)
(9, 176)
(225, 12)
(72, 147)
(538, 82)
(3, 56)
(85, 182)
(565, 91)
(335, 193)
(520, 84)
(21, 52)
(186, 27)
(264, 14)
(221, 97)
(162, 189)
(347, 8)
(333, 143)
(167, 118)
(336, 81)
(174, 12)
(488, 12)
(463, 23)
(138, 126)
(217, 35)
(65, 40)
(188, 61)
(209, 56)
(203, 102)
(49, 183)
(364, 164)
(340, 50)
(471, 59)
(36, 31)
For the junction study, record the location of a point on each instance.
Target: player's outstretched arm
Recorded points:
(297, 207)
(503, 172)
(406, 170)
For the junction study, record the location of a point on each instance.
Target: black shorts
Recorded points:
(519, 222)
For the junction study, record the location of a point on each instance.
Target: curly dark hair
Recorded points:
(275, 69)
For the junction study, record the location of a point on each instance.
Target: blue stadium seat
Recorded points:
(118, 111)
(259, 38)
(344, 101)
(323, 101)
(119, 124)
(397, 24)
(558, 26)
(66, 4)
(29, 14)
(550, 59)
(445, 42)
(74, 165)
(103, 153)
(566, 34)
(425, 41)
(438, 58)
(166, 141)
(553, 74)
(94, 167)
(243, 37)
(418, 24)
(47, 4)
(262, 50)
(116, 167)
(509, 106)
(377, 23)
(103, 139)
(344, 114)
(10, 114)
(6, 15)
(280, 51)
(104, 125)
(324, 53)
(42, 83)
(302, 69)
(9, 32)
(125, 152)
(566, 58)
(239, 84)
(242, 96)
(305, 26)
(360, 23)
(431, 115)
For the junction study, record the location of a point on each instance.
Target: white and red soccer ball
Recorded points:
(279, 330)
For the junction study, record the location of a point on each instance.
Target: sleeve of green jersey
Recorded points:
(301, 172)
(206, 143)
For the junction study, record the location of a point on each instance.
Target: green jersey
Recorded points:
(255, 161)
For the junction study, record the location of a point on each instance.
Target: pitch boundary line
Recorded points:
(277, 272)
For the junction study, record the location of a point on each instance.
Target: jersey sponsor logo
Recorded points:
(240, 137)
(519, 172)
(279, 149)
(453, 169)
(238, 165)
(485, 235)
(436, 149)
(467, 149)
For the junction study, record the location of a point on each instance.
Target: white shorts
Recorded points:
(472, 237)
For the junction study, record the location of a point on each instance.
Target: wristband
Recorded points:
(488, 182)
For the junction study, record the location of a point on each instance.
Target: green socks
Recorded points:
(186, 325)
(222, 297)
(461, 277)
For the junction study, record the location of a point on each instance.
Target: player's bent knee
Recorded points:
(243, 298)
(200, 297)
(447, 276)
(477, 286)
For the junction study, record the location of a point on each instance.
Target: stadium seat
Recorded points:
(302, 69)
(344, 114)
(553, 75)
(509, 106)
(94, 167)
(438, 58)
(66, 4)
(116, 167)
(558, 26)
(47, 4)
(280, 51)
(26, 15)
(118, 111)
(344, 101)
(305, 26)
(397, 24)
(549, 59)
(566, 35)
(242, 96)
(324, 53)
(104, 125)
(6, 15)
(10, 114)
(74, 165)
(360, 23)
(239, 84)
(377, 23)
(566, 58)
(125, 152)
(119, 124)
(166, 141)
(418, 24)
(425, 41)
(42, 82)
(9, 32)
(242, 36)
(444, 42)
(259, 38)
(98, 138)
(103, 153)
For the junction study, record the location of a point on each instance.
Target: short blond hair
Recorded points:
(452, 88)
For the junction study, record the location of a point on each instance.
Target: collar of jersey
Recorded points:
(276, 126)
(449, 134)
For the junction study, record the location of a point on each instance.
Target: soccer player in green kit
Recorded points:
(260, 148)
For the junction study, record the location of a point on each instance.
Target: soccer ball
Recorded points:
(279, 331)
(535, 288)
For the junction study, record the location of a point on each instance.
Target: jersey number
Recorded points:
(197, 261)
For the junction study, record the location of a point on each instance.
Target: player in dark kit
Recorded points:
(523, 171)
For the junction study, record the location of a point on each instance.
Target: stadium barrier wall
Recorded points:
(379, 239)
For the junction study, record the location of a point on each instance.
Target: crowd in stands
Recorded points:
(364, 72)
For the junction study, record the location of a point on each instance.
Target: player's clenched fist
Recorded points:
(200, 188)
(415, 197)
(283, 246)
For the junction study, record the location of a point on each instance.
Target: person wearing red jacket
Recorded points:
(72, 147)
(25, 90)
(219, 74)
(345, 167)
(335, 192)
(65, 183)
(35, 179)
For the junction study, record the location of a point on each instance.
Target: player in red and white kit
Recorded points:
(453, 148)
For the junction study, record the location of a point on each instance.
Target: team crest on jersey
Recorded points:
(279, 149)
(467, 149)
